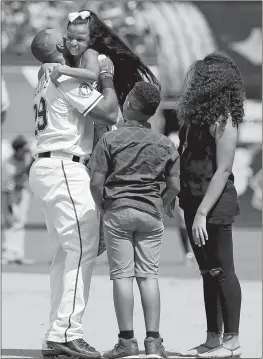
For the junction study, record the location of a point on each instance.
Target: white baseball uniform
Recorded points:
(62, 187)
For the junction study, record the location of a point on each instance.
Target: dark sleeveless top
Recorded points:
(197, 167)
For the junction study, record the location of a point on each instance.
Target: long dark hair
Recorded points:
(213, 90)
(128, 68)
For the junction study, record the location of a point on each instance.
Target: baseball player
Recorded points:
(15, 201)
(60, 181)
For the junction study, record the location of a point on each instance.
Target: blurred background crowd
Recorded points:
(168, 36)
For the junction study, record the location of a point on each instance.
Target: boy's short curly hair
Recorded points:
(146, 97)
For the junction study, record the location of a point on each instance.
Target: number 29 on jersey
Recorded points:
(40, 111)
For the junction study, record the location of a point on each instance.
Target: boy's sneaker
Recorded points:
(154, 348)
(125, 348)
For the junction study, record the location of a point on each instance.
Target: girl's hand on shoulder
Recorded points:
(56, 72)
(200, 235)
(46, 69)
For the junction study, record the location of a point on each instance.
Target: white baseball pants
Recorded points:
(62, 189)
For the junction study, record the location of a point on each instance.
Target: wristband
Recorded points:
(106, 71)
(105, 74)
(107, 83)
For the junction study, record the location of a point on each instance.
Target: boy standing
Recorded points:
(127, 168)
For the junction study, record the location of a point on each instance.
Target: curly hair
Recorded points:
(213, 90)
(147, 96)
(128, 68)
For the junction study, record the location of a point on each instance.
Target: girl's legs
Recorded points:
(220, 283)
(211, 299)
(211, 296)
(228, 284)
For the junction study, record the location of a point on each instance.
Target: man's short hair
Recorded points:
(145, 97)
(45, 45)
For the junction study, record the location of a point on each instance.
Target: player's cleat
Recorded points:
(154, 348)
(125, 348)
(49, 352)
(76, 348)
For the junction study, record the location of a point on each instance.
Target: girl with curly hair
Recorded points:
(211, 109)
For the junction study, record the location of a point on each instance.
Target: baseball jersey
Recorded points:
(59, 115)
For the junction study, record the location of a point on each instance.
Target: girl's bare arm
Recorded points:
(89, 70)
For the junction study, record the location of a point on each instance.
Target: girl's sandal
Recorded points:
(194, 352)
(222, 352)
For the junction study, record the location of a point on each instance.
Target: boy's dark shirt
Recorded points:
(135, 160)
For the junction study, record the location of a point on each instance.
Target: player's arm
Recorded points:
(98, 166)
(83, 96)
(106, 111)
(172, 179)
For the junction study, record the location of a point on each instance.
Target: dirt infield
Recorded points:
(26, 301)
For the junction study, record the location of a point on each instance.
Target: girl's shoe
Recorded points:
(222, 352)
(194, 352)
